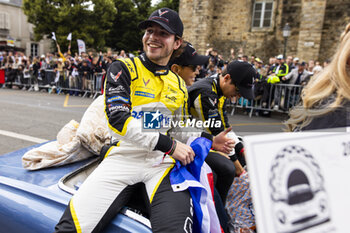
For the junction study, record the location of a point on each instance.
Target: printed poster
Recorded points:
(300, 181)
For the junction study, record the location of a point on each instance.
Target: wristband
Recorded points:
(172, 149)
(242, 151)
(172, 145)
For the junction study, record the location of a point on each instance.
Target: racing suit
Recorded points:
(132, 87)
(207, 103)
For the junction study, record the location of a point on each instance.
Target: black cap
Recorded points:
(190, 57)
(167, 18)
(242, 75)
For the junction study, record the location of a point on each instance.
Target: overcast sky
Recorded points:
(154, 2)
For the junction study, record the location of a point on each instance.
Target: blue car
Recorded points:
(34, 201)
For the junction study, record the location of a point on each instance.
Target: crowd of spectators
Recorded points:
(289, 71)
(74, 74)
(80, 74)
(277, 65)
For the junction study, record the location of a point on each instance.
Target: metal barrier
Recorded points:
(83, 85)
(271, 98)
(55, 82)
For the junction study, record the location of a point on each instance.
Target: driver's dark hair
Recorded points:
(224, 72)
(178, 51)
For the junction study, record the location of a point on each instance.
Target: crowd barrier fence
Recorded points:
(55, 82)
(272, 98)
(269, 97)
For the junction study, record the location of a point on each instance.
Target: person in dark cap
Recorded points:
(299, 76)
(223, 169)
(138, 157)
(236, 80)
(164, 22)
(186, 65)
(207, 103)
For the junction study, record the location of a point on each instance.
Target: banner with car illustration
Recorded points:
(300, 181)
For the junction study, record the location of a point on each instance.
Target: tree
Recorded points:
(125, 33)
(89, 20)
(172, 4)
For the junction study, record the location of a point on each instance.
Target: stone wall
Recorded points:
(231, 23)
(196, 16)
(228, 25)
(337, 16)
(292, 15)
(225, 24)
(310, 33)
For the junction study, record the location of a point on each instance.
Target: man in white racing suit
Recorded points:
(138, 90)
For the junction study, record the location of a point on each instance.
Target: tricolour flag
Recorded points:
(81, 46)
(69, 37)
(53, 36)
(196, 178)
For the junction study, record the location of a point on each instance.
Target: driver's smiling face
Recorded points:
(159, 44)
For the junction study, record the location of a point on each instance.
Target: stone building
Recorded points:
(256, 26)
(16, 33)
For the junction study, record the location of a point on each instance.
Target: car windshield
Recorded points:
(299, 194)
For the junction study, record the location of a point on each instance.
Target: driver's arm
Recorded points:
(207, 108)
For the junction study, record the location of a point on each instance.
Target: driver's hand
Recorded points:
(222, 143)
(183, 153)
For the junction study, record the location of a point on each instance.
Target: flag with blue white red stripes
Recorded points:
(197, 178)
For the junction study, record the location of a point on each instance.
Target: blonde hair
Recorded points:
(333, 81)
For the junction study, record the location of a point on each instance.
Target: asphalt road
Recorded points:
(28, 118)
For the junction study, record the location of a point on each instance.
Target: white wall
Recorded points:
(21, 30)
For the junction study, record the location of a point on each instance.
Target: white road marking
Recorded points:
(22, 136)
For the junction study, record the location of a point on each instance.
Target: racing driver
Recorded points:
(132, 86)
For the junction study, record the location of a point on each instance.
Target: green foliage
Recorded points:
(111, 23)
(172, 4)
(124, 32)
(65, 16)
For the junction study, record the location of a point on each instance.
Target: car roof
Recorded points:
(11, 167)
